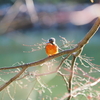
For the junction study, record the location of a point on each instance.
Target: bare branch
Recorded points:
(71, 77)
(90, 34)
(70, 81)
(80, 45)
(55, 69)
(80, 89)
(12, 79)
(64, 78)
(31, 90)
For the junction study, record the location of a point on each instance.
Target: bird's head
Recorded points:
(52, 40)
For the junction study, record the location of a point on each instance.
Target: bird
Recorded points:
(51, 47)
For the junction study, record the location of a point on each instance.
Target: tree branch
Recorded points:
(80, 45)
(57, 69)
(71, 77)
(80, 89)
(70, 81)
(12, 79)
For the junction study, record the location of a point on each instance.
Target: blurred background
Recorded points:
(29, 22)
(24, 23)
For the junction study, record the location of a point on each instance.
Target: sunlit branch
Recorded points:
(64, 78)
(84, 73)
(80, 45)
(12, 79)
(80, 89)
(56, 70)
(77, 49)
(70, 81)
(42, 85)
(31, 90)
(8, 91)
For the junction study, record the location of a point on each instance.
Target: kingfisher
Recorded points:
(51, 47)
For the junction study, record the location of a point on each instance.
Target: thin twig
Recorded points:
(12, 79)
(80, 89)
(64, 78)
(80, 45)
(56, 70)
(31, 90)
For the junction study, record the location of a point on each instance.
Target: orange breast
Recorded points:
(51, 49)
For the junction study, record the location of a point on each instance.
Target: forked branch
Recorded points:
(79, 46)
(80, 89)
